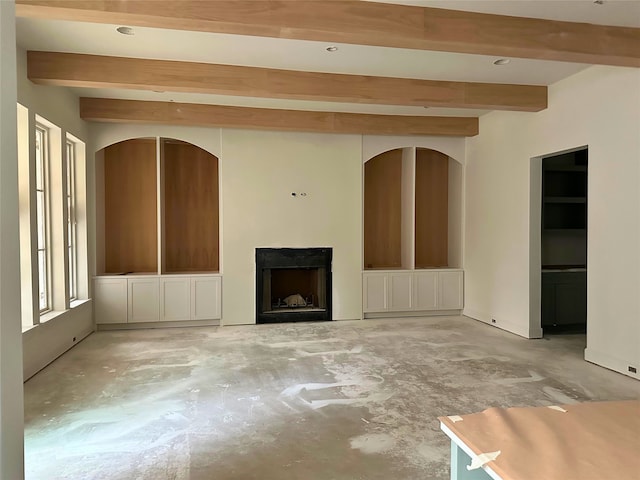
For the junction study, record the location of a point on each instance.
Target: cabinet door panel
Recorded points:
(110, 300)
(205, 298)
(400, 292)
(450, 287)
(144, 300)
(426, 291)
(375, 293)
(175, 299)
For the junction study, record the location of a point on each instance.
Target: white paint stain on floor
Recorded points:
(557, 396)
(372, 443)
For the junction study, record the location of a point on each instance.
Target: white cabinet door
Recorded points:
(374, 292)
(175, 299)
(450, 290)
(400, 292)
(426, 291)
(110, 300)
(205, 298)
(144, 300)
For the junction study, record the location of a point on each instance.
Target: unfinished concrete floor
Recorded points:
(339, 400)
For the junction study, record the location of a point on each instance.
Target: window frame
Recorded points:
(43, 217)
(72, 221)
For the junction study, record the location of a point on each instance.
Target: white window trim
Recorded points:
(72, 236)
(45, 157)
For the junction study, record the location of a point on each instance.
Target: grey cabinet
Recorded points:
(564, 298)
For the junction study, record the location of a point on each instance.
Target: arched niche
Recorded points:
(412, 210)
(106, 134)
(157, 207)
(453, 147)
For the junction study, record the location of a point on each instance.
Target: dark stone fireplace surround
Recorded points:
(268, 259)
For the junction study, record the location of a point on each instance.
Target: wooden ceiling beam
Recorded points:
(172, 113)
(364, 23)
(74, 70)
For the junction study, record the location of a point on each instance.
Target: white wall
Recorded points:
(44, 342)
(259, 172)
(600, 108)
(11, 393)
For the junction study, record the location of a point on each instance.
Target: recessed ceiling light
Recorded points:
(502, 61)
(125, 30)
(332, 48)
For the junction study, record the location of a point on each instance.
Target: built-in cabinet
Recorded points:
(110, 300)
(412, 232)
(157, 233)
(142, 299)
(412, 291)
(563, 298)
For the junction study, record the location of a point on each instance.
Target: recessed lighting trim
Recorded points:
(502, 61)
(332, 48)
(125, 30)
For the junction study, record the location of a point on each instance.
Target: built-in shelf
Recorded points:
(565, 200)
(412, 210)
(157, 208)
(564, 240)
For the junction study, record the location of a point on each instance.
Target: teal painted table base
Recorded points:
(459, 462)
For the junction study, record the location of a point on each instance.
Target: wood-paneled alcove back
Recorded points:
(432, 209)
(383, 210)
(128, 174)
(190, 206)
(130, 208)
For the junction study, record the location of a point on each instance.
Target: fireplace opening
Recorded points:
(293, 284)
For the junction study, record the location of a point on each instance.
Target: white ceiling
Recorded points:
(623, 13)
(101, 39)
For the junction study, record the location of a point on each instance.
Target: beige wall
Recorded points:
(599, 108)
(260, 170)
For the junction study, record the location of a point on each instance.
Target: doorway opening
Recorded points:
(563, 242)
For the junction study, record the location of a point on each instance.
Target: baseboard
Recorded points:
(143, 325)
(423, 313)
(612, 363)
(520, 330)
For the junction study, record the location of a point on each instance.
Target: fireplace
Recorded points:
(293, 284)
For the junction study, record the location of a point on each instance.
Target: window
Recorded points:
(53, 222)
(42, 219)
(72, 247)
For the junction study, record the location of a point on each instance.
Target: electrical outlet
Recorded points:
(633, 369)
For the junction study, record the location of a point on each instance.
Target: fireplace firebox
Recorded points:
(293, 284)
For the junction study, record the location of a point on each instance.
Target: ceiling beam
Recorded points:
(171, 113)
(364, 23)
(74, 70)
